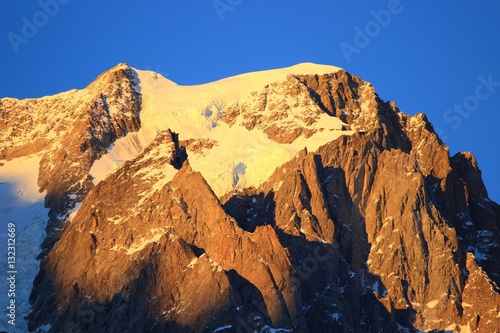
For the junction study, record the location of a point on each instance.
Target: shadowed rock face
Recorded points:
(377, 231)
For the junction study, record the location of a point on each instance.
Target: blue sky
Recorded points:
(440, 58)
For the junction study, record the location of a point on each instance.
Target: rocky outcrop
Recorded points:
(77, 126)
(161, 254)
(390, 215)
(286, 119)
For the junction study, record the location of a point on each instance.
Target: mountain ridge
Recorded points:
(311, 204)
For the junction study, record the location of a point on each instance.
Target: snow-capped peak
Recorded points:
(242, 118)
(193, 110)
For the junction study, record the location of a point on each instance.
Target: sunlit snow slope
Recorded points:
(231, 153)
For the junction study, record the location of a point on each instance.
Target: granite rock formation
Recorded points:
(379, 229)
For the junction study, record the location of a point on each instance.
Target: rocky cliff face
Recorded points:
(376, 229)
(70, 131)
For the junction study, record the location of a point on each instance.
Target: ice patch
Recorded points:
(72, 212)
(136, 247)
(238, 170)
(267, 329)
(120, 151)
(479, 255)
(403, 329)
(220, 329)
(192, 263)
(432, 304)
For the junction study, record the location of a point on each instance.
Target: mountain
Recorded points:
(289, 200)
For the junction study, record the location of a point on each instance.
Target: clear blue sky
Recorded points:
(427, 55)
